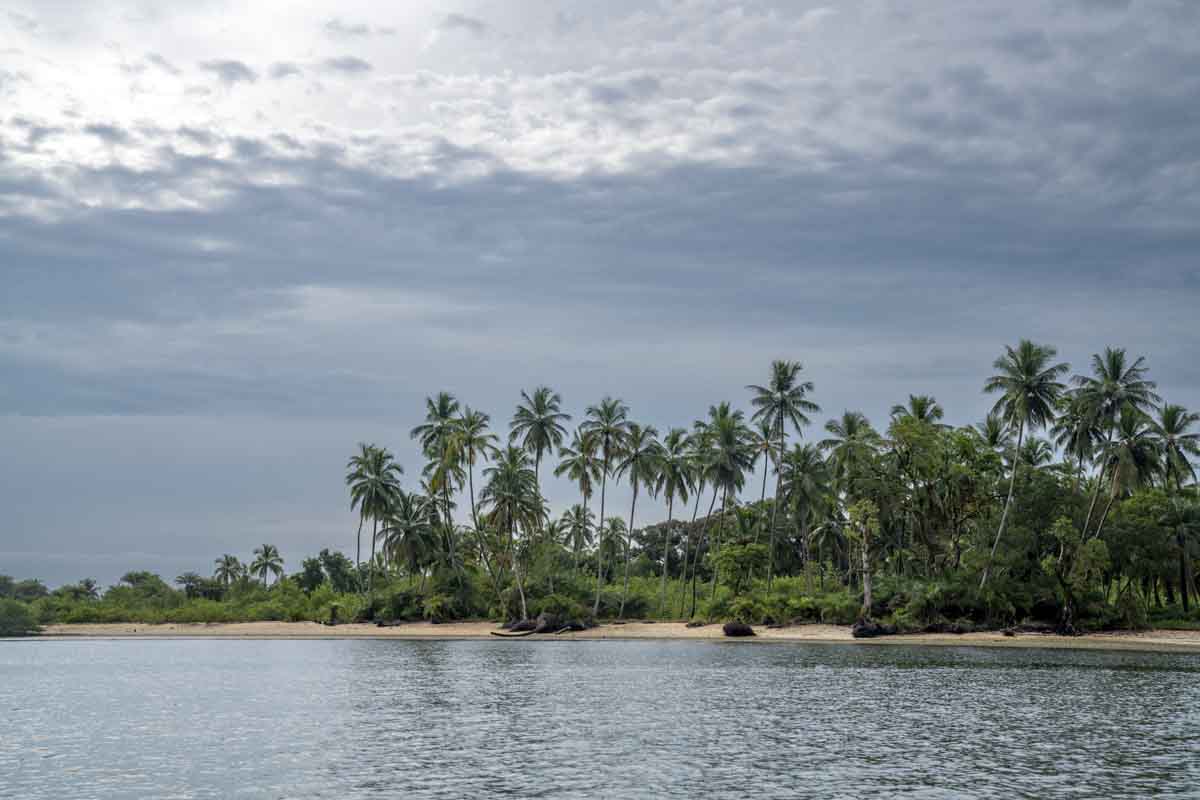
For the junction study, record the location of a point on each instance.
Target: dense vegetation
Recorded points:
(1074, 503)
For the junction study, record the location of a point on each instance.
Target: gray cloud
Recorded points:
(348, 65)
(464, 23)
(230, 72)
(341, 29)
(283, 69)
(109, 134)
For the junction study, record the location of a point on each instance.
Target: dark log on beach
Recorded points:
(513, 635)
(869, 629)
(547, 623)
(737, 629)
(523, 625)
(570, 626)
(695, 624)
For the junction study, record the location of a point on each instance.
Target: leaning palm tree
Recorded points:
(375, 484)
(436, 435)
(639, 460)
(1178, 442)
(674, 480)
(1114, 384)
(782, 402)
(1132, 458)
(513, 504)
(229, 569)
(1027, 381)
(407, 533)
(537, 425)
(607, 425)
(267, 561)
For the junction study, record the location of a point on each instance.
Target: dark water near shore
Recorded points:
(356, 719)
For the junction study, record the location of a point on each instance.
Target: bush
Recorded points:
(838, 609)
(16, 619)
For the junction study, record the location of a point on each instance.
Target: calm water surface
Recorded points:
(358, 719)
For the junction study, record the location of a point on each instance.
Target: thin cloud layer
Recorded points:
(645, 201)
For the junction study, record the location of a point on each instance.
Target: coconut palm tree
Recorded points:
(229, 569)
(1076, 432)
(805, 485)
(700, 457)
(1029, 389)
(1036, 453)
(639, 460)
(579, 463)
(732, 459)
(267, 561)
(513, 503)
(538, 426)
(356, 471)
(673, 480)
(407, 533)
(577, 528)
(373, 487)
(436, 436)
(994, 433)
(922, 408)
(1131, 457)
(1182, 518)
(606, 425)
(471, 440)
(1114, 384)
(782, 401)
(850, 447)
(1178, 443)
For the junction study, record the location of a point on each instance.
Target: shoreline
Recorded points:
(1169, 641)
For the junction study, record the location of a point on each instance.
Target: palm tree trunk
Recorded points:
(1087, 522)
(1112, 496)
(775, 506)
(628, 550)
(696, 557)
(712, 592)
(600, 539)
(512, 549)
(662, 595)
(1183, 571)
(371, 566)
(687, 546)
(866, 573)
(1012, 482)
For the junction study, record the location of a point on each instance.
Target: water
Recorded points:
(359, 719)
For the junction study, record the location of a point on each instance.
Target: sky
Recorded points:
(237, 239)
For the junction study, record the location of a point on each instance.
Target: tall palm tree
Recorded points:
(1178, 443)
(373, 487)
(1114, 384)
(538, 426)
(472, 440)
(514, 504)
(407, 533)
(639, 460)
(1027, 381)
(1076, 432)
(356, 472)
(700, 457)
(436, 436)
(674, 480)
(577, 524)
(607, 425)
(782, 401)
(732, 459)
(851, 445)
(267, 561)
(229, 569)
(805, 485)
(763, 443)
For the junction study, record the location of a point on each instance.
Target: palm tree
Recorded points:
(763, 443)
(1183, 519)
(1027, 380)
(436, 436)
(674, 480)
(805, 485)
(639, 460)
(700, 456)
(607, 425)
(851, 446)
(472, 440)
(1178, 443)
(782, 401)
(732, 459)
(229, 569)
(538, 426)
(190, 582)
(1036, 453)
(994, 433)
(373, 487)
(267, 560)
(579, 463)
(922, 408)
(1076, 432)
(512, 497)
(1113, 385)
(356, 472)
(1131, 457)
(577, 522)
(407, 533)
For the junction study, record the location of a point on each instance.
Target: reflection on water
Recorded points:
(353, 719)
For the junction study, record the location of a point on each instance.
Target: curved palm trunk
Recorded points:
(1112, 496)
(600, 539)
(1087, 522)
(775, 510)
(696, 557)
(662, 595)
(1012, 482)
(512, 551)
(712, 592)
(628, 550)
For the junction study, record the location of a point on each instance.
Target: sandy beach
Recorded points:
(1161, 640)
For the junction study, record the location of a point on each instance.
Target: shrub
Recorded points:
(16, 619)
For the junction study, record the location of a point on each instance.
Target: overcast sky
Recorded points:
(237, 239)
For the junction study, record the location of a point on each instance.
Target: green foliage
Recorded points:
(16, 618)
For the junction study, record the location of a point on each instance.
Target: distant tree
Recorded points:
(311, 575)
(538, 427)
(267, 561)
(640, 461)
(229, 569)
(191, 583)
(338, 570)
(606, 425)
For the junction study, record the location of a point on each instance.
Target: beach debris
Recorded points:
(737, 629)
(867, 628)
